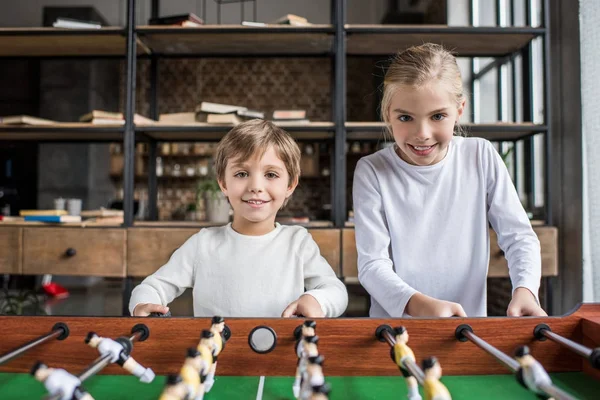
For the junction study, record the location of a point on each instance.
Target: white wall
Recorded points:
(590, 87)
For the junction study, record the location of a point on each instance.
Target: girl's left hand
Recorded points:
(306, 306)
(523, 304)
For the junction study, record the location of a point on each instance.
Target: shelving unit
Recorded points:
(336, 41)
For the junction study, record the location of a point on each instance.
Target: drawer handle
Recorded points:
(70, 252)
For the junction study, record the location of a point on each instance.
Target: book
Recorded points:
(71, 23)
(99, 117)
(25, 120)
(251, 114)
(101, 114)
(5, 218)
(177, 118)
(102, 213)
(223, 119)
(176, 19)
(291, 19)
(53, 218)
(289, 114)
(27, 213)
(217, 108)
(284, 122)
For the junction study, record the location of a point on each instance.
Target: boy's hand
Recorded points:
(144, 309)
(306, 306)
(523, 303)
(421, 305)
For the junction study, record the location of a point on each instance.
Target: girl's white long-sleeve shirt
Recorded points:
(425, 228)
(235, 275)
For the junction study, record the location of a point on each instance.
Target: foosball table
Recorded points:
(260, 357)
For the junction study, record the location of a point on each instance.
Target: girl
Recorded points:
(422, 206)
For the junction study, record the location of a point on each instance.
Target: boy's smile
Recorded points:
(256, 189)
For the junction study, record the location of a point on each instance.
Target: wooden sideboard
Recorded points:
(139, 251)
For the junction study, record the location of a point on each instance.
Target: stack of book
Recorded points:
(52, 216)
(100, 117)
(71, 23)
(103, 216)
(291, 19)
(215, 113)
(286, 117)
(25, 120)
(190, 20)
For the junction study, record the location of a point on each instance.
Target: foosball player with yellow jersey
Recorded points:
(320, 392)
(433, 388)
(400, 353)
(175, 389)
(218, 343)
(205, 353)
(190, 373)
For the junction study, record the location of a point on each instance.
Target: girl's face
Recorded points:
(422, 121)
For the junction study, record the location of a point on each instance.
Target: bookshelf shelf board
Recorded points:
(230, 40)
(495, 132)
(59, 42)
(202, 224)
(63, 132)
(214, 132)
(466, 41)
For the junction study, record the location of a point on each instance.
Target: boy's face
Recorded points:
(256, 189)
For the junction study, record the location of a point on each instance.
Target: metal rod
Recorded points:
(527, 86)
(152, 182)
(496, 63)
(410, 365)
(571, 345)
(155, 9)
(129, 135)
(547, 121)
(11, 355)
(556, 393)
(338, 184)
(508, 361)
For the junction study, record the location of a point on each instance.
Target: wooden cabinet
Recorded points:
(328, 241)
(74, 251)
(498, 267)
(148, 249)
(11, 250)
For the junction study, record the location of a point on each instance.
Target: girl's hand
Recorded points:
(523, 303)
(306, 306)
(144, 309)
(421, 305)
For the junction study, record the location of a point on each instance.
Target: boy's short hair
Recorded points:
(255, 136)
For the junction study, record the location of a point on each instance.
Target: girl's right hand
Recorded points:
(144, 309)
(421, 305)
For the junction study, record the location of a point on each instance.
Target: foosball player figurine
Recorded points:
(308, 348)
(218, 343)
(175, 389)
(190, 374)
(206, 358)
(60, 382)
(434, 389)
(308, 329)
(400, 353)
(531, 374)
(320, 392)
(119, 354)
(207, 338)
(312, 377)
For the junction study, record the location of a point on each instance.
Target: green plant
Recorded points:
(208, 186)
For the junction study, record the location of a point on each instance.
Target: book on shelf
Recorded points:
(291, 19)
(10, 218)
(28, 213)
(216, 113)
(178, 19)
(25, 120)
(101, 114)
(102, 213)
(284, 122)
(217, 108)
(177, 118)
(223, 119)
(289, 114)
(71, 23)
(53, 218)
(101, 117)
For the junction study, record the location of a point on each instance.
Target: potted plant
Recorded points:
(216, 204)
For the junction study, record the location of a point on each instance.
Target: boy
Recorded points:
(252, 267)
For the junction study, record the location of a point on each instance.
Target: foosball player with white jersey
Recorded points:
(400, 354)
(60, 382)
(433, 388)
(119, 351)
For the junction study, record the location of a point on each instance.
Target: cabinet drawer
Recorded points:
(148, 249)
(11, 250)
(328, 241)
(74, 251)
(548, 236)
(498, 267)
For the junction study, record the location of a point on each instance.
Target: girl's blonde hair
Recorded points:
(418, 66)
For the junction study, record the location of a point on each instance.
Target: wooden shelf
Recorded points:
(465, 41)
(214, 132)
(238, 40)
(495, 132)
(200, 224)
(71, 132)
(58, 42)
